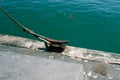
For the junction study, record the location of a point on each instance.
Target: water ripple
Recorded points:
(86, 23)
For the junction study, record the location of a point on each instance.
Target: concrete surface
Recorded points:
(94, 65)
(15, 66)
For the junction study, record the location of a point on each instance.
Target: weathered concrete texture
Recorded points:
(97, 65)
(74, 52)
(25, 67)
(22, 61)
(21, 42)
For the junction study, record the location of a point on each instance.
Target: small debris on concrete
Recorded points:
(89, 73)
(110, 77)
(95, 76)
(51, 57)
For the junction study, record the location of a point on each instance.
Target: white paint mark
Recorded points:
(89, 74)
(95, 76)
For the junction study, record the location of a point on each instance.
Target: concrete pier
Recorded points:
(26, 59)
(16, 66)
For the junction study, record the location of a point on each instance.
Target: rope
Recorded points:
(25, 29)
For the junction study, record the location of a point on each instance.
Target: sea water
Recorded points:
(93, 24)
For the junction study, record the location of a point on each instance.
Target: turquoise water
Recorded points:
(93, 24)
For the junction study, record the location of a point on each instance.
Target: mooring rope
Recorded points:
(23, 27)
(51, 44)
